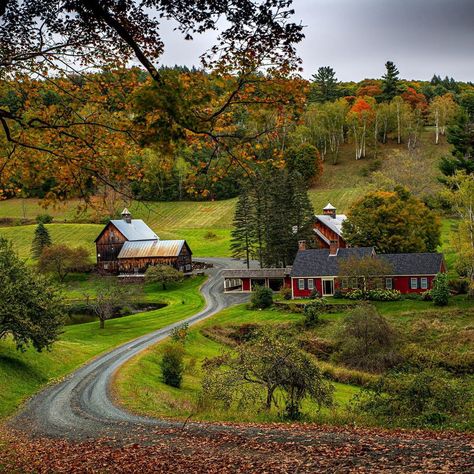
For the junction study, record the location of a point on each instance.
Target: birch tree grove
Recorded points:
(443, 109)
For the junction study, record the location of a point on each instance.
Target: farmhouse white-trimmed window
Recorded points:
(344, 283)
(310, 284)
(388, 283)
(424, 283)
(414, 283)
(301, 284)
(353, 283)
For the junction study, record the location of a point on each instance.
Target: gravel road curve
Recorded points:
(80, 406)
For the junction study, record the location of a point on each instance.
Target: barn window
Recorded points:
(414, 283)
(310, 284)
(424, 283)
(301, 284)
(389, 283)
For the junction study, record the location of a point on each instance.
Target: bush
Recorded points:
(172, 365)
(315, 294)
(44, 219)
(262, 297)
(285, 293)
(355, 295)
(384, 295)
(459, 286)
(209, 235)
(338, 294)
(366, 340)
(312, 311)
(418, 399)
(440, 290)
(413, 296)
(426, 296)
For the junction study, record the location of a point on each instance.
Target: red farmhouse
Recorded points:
(319, 269)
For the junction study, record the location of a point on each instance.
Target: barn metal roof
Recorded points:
(334, 223)
(135, 230)
(256, 273)
(151, 248)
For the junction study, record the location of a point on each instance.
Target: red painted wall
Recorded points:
(297, 293)
(402, 284)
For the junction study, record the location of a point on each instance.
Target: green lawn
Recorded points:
(139, 388)
(22, 374)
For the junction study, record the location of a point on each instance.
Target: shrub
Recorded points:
(163, 274)
(459, 286)
(384, 295)
(172, 365)
(338, 294)
(355, 295)
(312, 311)
(366, 340)
(285, 293)
(209, 235)
(413, 296)
(426, 296)
(262, 297)
(440, 290)
(315, 294)
(418, 399)
(44, 219)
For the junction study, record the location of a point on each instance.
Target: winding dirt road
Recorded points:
(78, 414)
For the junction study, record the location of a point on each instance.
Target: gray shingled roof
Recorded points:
(136, 230)
(414, 263)
(256, 273)
(318, 262)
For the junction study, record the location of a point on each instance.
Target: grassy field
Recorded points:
(22, 374)
(442, 334)
(138, 384)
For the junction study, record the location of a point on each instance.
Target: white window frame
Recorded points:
(424, 283)
(310, 284)
(301, 284)
(344, 283)
(389, 283)
(413, 280)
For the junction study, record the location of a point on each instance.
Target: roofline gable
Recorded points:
(106, 227)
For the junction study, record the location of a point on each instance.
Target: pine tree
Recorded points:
(243, 234)
(41, 240)
(390, 82)
(324, 87)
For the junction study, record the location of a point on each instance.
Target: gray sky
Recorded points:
(357, 37)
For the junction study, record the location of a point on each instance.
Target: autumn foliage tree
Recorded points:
(60, 260)
(392, 222)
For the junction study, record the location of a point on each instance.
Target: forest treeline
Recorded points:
(116, 132)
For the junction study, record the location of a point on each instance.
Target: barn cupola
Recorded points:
(126, 216)
(330, 210)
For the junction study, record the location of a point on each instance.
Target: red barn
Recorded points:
(129, 246)
(328, 228)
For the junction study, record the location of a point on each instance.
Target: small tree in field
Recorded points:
(440, 290)
(366, 340)
(31, 308)
(172, 365)
(105, 303)
(163, 274)
(265, 365)
(61, 260)
(41, 240)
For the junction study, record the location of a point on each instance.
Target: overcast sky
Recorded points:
(357, 37)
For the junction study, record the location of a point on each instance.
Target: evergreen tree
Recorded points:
(324, 87)
(243, 234)
(461, 135)
(41, 240)
(390, 82)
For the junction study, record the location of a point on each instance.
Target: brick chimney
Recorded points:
(301, 244)
(333, 247)
(329, 210)
(126, 216)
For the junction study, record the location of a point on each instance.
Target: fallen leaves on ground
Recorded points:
(252, 448)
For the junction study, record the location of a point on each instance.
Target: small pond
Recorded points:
(80, 313)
